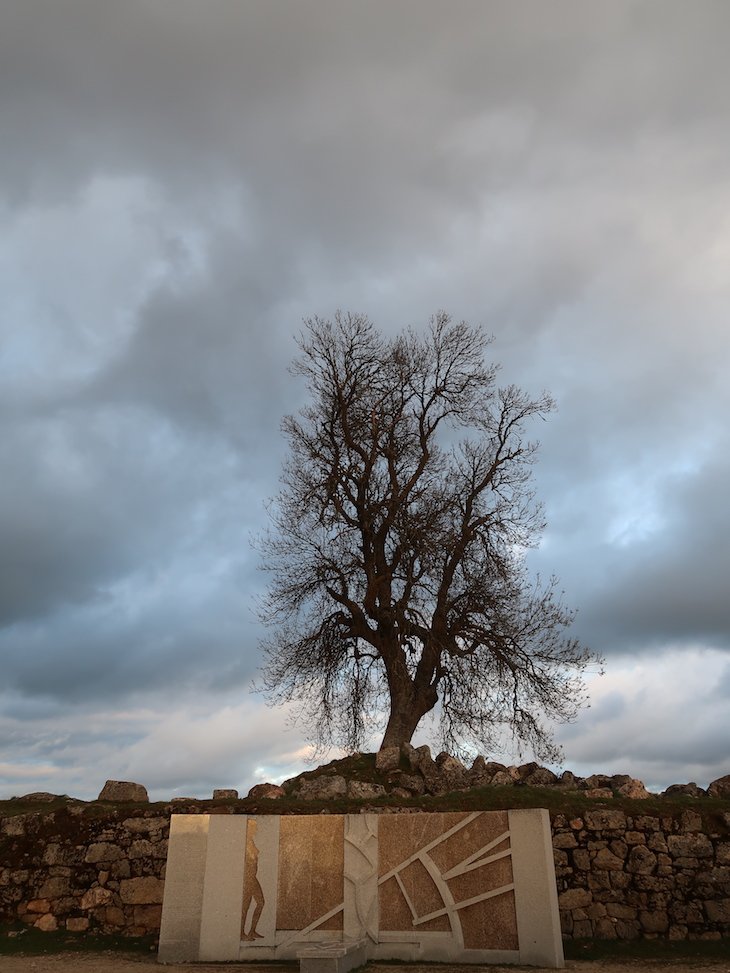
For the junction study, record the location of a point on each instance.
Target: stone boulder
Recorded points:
(420, 760)
(413, 784)
(40, 797)
(225, 794)
(502, 778)
(363, 790)
(268, 792)
(387, 759)
(323, 788)
(452, 772)
(720, 787)
(123, 790)
(541, 777)
(633, 789)
(691, 790)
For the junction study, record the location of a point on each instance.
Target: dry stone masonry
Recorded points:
(621, 874)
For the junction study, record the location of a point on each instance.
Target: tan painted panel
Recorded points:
(311, 871)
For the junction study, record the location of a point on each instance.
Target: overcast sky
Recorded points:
(183, 181)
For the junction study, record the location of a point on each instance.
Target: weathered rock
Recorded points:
(569, 781)
(691, 790)
(605, 819)
(103, 851)
(689, 846)
(541, 777)
(144, 825)
(40, 797)
(502, 779)
(322, 788)
(718, 911)
(38, 905)
(123, 790)
(599, 793)
(597, 780)
(77, 924)
(607, 861)
(634, 789)
(453, 771)
(479, 766)
(421, 760)
(363, 790)
(54, 887)
(47, 923)
(141, 891)
(641, 861)
(269, 792)
(526, 770)
(574, 899)
(387, 759)
(225, 794)
(720, 787)
(95, 897)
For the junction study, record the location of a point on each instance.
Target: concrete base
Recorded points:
(333, 957)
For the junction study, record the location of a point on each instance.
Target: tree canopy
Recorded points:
(397, 547)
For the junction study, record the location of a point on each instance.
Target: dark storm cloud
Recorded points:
(182, 182)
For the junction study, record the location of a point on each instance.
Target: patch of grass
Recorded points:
(24, 940)
(647, 949)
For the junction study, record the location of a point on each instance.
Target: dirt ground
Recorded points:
(119, 963)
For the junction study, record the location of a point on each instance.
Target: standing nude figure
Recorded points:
(252, 891)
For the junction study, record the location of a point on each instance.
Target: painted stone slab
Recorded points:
(470, 887)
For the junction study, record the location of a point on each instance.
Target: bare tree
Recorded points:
(398, 547)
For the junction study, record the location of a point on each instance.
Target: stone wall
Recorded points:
(85, 867)
(629, 877)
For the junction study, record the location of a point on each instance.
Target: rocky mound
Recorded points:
(411, 772)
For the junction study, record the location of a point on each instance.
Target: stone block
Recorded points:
(96, 897)
(564, 840)
(268, 792)
(145, 825)
(606, 860)
(641, 860)
(655, 920)
(225, 794)
(387, 759)
(689, 846)
(103, 851)
(123, 790)
(39, 905)
(141, 848)
(323, 788)
(574, 899)
(77, 924)
(141, 891)
(605, 819)
(363, 790)
(333, 957)
(718, 910)
(47, 923)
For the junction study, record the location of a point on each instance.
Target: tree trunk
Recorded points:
(406, 712)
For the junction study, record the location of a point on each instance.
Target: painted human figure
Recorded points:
(252, 891)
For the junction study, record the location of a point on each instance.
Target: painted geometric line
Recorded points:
(299, 933)
(447, 898)
(468, 864)
(432, 844)
(465, 903)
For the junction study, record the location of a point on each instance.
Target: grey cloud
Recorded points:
(184, 182)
